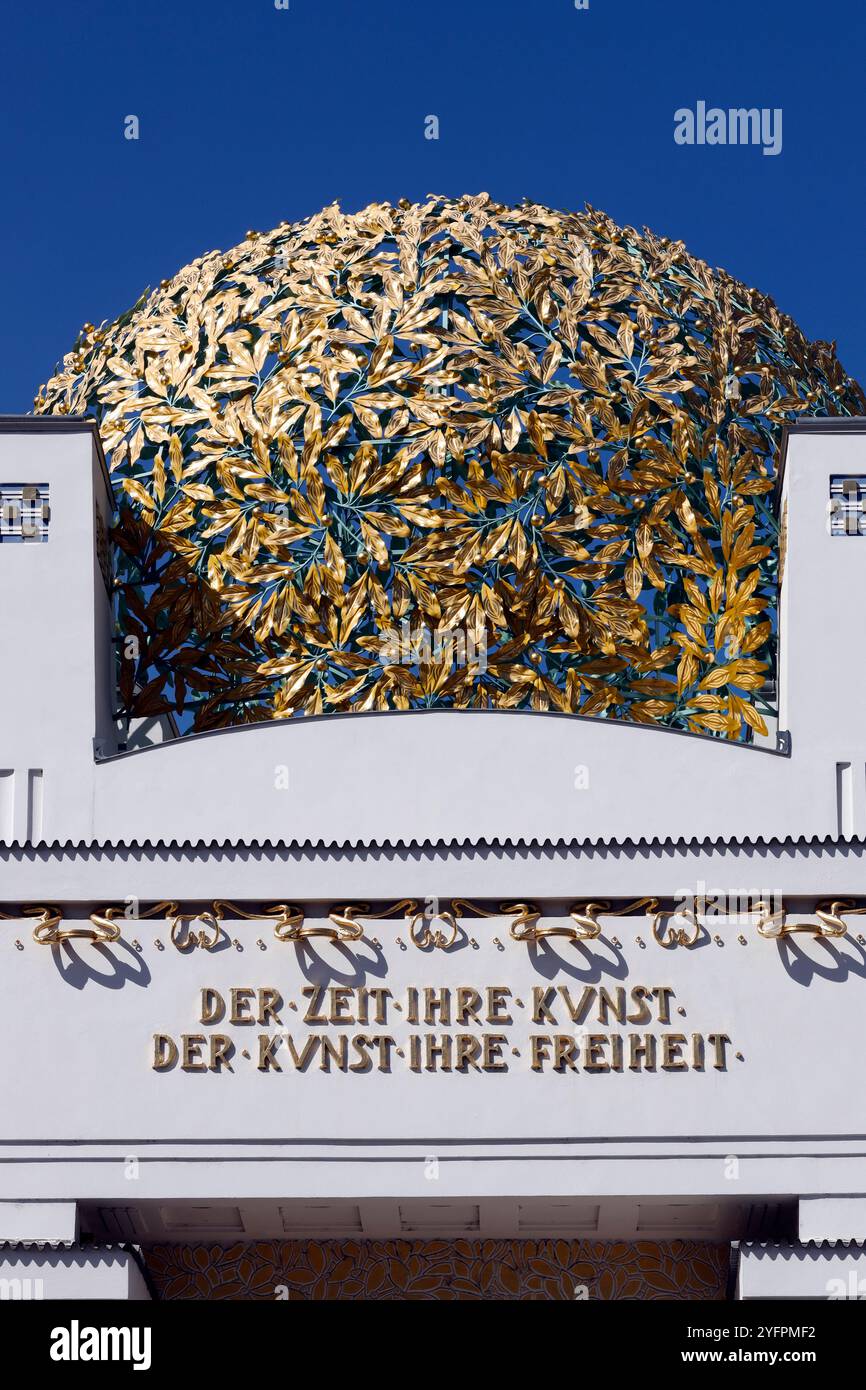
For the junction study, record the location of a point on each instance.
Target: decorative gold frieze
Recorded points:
(428, 928)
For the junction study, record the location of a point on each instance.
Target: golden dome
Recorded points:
(536, 433)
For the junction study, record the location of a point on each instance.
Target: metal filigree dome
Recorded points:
(541, 435)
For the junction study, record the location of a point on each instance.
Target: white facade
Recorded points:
(750, 1122)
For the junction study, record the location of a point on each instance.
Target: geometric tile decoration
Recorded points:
(847, 509)
(24, 513)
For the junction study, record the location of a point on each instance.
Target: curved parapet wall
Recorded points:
(456, 776)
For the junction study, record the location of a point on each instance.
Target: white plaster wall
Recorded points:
(33, 1275)
(55, 635)
(79, 1022)
(801, 1272)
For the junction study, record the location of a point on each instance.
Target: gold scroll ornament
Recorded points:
(102, 926)
(830, 920)
(583, 926)
(340, 926)
(287, 926)
(524, 917)
(345, 927)
(585, 918)
(425, 934)
(669, 936)
(185, 937)
(421, 929)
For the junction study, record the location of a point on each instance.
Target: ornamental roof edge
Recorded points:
(668, 845)
(60, 424)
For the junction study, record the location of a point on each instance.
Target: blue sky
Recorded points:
(249, 115)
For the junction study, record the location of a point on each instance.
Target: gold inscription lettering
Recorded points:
(213, 1006)
(643, 1013)
(496, 997)
(191, 1046)
(564, 1046)
(164, 1052)
(267, 1048)
(541, 1001)
(468, 1004)
(642, 1054)
(241, 1011)
(664, 993)
(340, 1013)
(718, 1041)
(607, 1005)
(315, 994)
(270, 1003)
(577, 1012)
(593, 1048)
(467, 1050)
(437, 1001)
(671, 1059)
(221, 1051)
